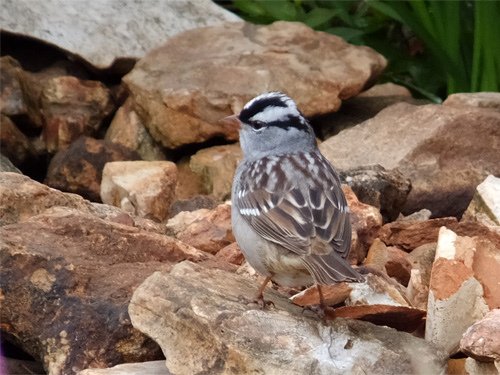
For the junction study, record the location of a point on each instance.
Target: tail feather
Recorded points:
(331, 269)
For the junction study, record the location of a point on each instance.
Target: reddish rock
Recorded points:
(206, 230)
(189, 184)
(143, 188)
(366, 221)
(481, 341)
(398, 265)
(182, 89)
(68, 275)
(11, 97)
(79, 168)
(127, 130)
(422, 259)
(14, 144)
(232, 254)
(332, 295)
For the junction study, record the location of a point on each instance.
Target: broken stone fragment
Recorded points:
(142, 188)
(485, 205)
(456, 298)
(481, 341)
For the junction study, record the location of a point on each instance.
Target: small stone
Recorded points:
(332, 294)
(481, 341)
(215, 166)
(422, 259)
(15, 145)
(206, 230)
(232, 254)
(398, 265)
(189, 184)
(489, 100)
(11, 96)
(142, 188)
(78, 169)
(192, 204)
(485, 205)
(141, 368)
(7, 166)
(127, 130)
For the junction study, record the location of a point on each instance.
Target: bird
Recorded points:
(289, 214)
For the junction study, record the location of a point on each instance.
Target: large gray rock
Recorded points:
(197, 317)
(184, 88)
(111, 31)
(445, 151)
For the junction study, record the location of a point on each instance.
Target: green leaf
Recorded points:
(347, 33)
(319, 16)
(280, 9)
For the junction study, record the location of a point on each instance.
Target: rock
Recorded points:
(65, 106)
(473, 367)
(422, 215)
(433, 146)
(7, 166)
(189, 184)
(333, 294)
(15, 145)
(373, 185)
(362, 107)
(377, 290)
(110, 33)
(422, 259)
(366, 221)
(79, 168)
(197, 311)
(142, 368)
(206, 230)
(184, 88)
(231, 254)
(142, 188)
(68, 275)
(455, 297)
(11, 97)
(127, 130)
(481, 341)
(489, 100)
(391, 260)
(485, 205)
(216, 166)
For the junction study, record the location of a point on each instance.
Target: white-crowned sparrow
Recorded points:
(289, 214)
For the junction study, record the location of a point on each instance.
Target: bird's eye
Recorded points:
(258, 125)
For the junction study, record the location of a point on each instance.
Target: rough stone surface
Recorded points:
(473, 367)
(232, 254)
(216, 166)
(373, 185)
(184, 88)
(481, 341)
(422, 259)
(127, 130)
(11, 97)
(485, 205)
(65, 263)
(207, 230)
(78, 169)
(490, 100)
(456, 298)
(142, 188)
(197, 311)
(389, 259)
(108, 32)
(366, 221)
(444, 151)
(6, 165)
(142, 368)
(189, 184)
(14, 144)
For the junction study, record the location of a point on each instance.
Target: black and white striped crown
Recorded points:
(273, 109)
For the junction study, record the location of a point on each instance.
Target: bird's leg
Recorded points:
(259, 297)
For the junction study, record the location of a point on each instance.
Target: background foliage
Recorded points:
(435, 48)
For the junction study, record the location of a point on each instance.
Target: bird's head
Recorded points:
(272, 124)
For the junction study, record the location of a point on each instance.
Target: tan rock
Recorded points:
(232, 254)
(142, 368)
(473, 367)
(74, 275)
(192, 204)
(78, 169)
(413, 139)
(216, 166)
(127, 130)
(485, 205)
(490, 100)
(198, 77)
(189, 184)
(385, 89)
(14, 144)
(481, 341)
(206, 230)
(11, 97)
(143, 188)
(197, 317)
(391, 260)
(333, 294)
(7, 166)
(366, 221)
(455, 296)
(422, 259)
